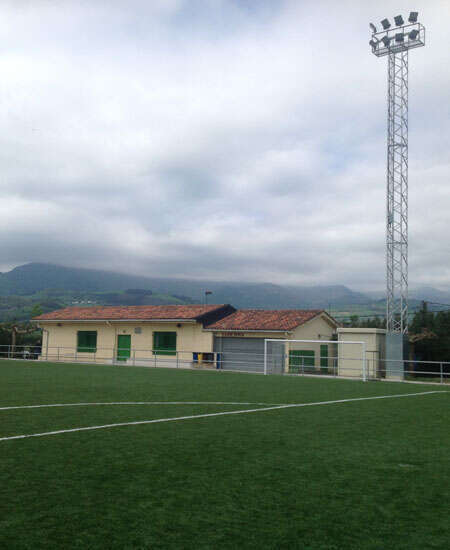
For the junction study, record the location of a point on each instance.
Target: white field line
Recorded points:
(208, 415)
(133, 403)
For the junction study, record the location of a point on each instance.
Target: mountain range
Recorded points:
(31, 278)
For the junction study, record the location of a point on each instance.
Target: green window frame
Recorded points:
(164, 343)
(87, 341)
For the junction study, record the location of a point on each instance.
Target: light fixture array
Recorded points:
(403, 36)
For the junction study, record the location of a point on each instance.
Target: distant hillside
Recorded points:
(36, 277)
(430, 294)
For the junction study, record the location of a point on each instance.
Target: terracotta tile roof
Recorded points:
(257, 319)
(112, 313)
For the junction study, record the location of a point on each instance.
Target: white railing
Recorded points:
(277, 363)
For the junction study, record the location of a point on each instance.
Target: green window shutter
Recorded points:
(324, 356)
(87, 341)
(164, 343)
(301, 358)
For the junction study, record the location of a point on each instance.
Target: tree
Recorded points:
(354, 321)
(430, 334)
(36, 311)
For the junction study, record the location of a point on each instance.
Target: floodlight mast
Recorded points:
(395, 42)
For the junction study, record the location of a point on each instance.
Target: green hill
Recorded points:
(36, 277)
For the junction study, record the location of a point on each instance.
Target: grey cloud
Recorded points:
(218, 139)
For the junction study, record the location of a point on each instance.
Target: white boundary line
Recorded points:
(133, 403)
(190, 417)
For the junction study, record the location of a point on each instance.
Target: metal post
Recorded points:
(364, 363)
(442, 373)
(57, 354)
(177, 357)
(134, 357)
(265, 356)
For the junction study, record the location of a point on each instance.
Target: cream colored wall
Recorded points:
(62, 341)
(316, 329)
(350, 355)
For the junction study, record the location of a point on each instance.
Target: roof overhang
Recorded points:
(349, 330)
(246, 330)
(115, 321)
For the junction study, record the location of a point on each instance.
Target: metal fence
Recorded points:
(277, 363)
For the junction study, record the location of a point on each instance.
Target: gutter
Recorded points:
(246, 330)
(117, 321)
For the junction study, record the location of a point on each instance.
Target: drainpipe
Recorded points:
(46, 342)
(109, 324)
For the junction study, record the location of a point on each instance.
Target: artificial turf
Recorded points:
(365, 474)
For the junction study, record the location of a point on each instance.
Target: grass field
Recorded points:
(368, 474)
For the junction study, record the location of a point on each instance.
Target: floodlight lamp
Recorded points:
(399, 37)
(386, 41)
(399, 20)
(385, 24)
(373, 28)
(413, 34)
(373, 44)
(413, 17)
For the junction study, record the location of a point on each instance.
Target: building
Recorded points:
(349, 355)
(130, 334)
(211, 335)
(239, 339)
(218, 335)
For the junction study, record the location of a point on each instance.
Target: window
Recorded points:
(301, 360)
(164, 343)
(87, 341)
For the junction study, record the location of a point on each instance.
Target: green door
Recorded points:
(123, 347)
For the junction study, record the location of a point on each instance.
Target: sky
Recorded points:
(240, 140)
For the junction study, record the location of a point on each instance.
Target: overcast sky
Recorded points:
(219, 139)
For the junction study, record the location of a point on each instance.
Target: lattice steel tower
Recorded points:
(396, 42)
